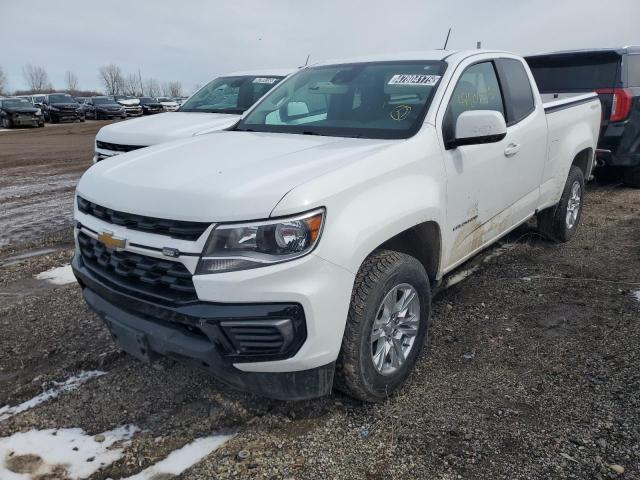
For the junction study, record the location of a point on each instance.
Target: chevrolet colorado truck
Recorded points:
(216, 106)
(297, 250)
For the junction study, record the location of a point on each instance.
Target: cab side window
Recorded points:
(517, 89)
(477, 89)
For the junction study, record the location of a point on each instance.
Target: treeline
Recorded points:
(114, 81)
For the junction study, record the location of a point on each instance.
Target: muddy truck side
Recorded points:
(297, 251)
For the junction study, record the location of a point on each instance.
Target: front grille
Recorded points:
(182, 230)
(116, 147)
(134, 273)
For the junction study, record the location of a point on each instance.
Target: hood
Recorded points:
(107, 105)
(65, 105)
(152, 105)
(225, 176)
(129, 102)
(20, 109)
(164, 127)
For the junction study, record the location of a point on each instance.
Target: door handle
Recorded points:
(511, 149)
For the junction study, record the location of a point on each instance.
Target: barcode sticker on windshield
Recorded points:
(410, 79)
(267, 80)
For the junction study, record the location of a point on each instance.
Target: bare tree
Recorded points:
(3, 82)
(131, 85)
(36, 77)
(172, 89)
(151, 87)
(71, 80)
(112, 79)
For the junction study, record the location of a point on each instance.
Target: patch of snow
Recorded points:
(179, 460)
(636, 294)
(70, 384)
(61, 453)
(58, 275)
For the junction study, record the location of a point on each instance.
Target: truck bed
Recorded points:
(553, 102)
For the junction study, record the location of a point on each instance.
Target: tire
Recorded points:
(6, 123)
(631, 176)
(82, 119)
(41, 124)
(555, 223)
(356, 373)
(53, 119)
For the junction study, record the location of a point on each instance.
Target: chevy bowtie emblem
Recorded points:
(109, 241)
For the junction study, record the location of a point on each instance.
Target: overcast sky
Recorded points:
(194, 41)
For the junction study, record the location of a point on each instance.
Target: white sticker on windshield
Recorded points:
(267, 80)
(417, 79)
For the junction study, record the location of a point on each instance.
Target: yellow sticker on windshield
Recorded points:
(400, 112)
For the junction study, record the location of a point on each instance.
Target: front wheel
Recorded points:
(560, 222)
(386, 326)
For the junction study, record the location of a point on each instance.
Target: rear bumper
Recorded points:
(197, 334)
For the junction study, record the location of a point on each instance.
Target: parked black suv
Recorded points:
(150, 105)
(104, 108)
(615, 74)
(61, 106)
(15, 112)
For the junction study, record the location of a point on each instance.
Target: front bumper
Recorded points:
(62, 115)
(23, 120)
(198, 333)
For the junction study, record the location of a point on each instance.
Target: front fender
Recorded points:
(372, 200)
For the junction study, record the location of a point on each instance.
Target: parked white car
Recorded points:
(216, 106)
(168, 104)
(299, 250)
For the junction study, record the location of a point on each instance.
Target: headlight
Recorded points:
(234, 247)
(38, 112)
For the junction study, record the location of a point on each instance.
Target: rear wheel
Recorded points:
(560, 222)
(386, 326)
(631, 176)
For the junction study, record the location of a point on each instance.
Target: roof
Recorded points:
(273, 72)
(616, 50)
(409, 56)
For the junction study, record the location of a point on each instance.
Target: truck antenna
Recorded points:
(446, 41)
(306, 62)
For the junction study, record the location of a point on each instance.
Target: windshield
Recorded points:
(102, 101)
(372, 100)
(164, 99)
(14, 103)
(61, 99)
(147, 100)
(229, 94)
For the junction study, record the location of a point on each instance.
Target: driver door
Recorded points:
(482, 181)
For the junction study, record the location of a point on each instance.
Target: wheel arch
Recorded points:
(422, 241)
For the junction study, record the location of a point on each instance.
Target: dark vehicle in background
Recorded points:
(17, 112)
(131, 105)
(87, 108)
(615, 75)
(61, 106)
(103, 108)
(150, 105)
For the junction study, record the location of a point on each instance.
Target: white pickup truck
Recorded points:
(216, 106)
(298, 250)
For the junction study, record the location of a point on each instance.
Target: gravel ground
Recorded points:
(530, 371)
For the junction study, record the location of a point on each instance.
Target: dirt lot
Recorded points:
(531, 370)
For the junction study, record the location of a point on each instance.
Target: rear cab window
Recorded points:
(516, 86)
